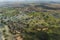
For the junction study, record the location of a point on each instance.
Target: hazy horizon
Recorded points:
(29, 0)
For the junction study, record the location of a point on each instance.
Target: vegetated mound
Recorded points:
(30, 23)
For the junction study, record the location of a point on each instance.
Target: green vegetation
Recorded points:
(31, 25)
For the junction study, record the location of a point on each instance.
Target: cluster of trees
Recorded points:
(37, 25)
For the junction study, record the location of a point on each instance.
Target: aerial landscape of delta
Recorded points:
(29, 20)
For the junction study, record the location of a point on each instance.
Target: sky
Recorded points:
(29, 0)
